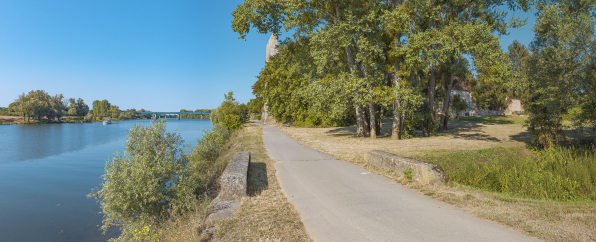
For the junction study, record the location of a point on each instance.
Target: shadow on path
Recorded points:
(257, 178)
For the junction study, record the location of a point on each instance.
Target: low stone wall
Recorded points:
(480, 113)
(422, 172)
(234, 180)
(234, 185)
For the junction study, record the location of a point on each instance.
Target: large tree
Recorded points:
(562, 67)
(377, 50)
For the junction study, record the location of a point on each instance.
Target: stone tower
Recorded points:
(270, 52)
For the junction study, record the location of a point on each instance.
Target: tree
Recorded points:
(114, 111)
(58, 105)
(518, 57)
(149, 178)
(39, 103)
(101, 109)
(458, 105)
(229, 113)
(562, 67)
(23, 107)
(82, 108)
(375, 50)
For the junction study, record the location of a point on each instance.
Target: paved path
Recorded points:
(340, 201)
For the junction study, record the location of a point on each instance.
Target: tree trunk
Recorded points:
(380, 120)
(359, 121)
(360, 116)
(431, 100)
(441, 117)
(446, 102)
(397, 120)
(403, 113)
(372, 122)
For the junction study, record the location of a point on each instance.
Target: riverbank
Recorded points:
(8, 120)
(549, 220)
(11, 120)
(264, 214)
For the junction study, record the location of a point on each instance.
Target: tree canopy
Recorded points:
(359, 58)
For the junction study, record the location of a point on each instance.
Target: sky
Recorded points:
(156, 55)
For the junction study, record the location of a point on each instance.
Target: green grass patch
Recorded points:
(559, 174)
(496, 120)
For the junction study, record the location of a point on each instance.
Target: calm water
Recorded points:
(46, 171)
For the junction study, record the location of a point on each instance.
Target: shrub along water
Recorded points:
(155, 179)
(559, 173)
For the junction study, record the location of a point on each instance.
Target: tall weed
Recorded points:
(558, 173)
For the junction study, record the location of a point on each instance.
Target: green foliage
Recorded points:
(255, 105)
(77, 107)
(458, 104)
(211, 144)
(518, 120)
(142, 183)
(101, 109)
(408, 174)
(155, 177)
(39, 104)
(347, 58)
(8, 111)
(562, 68)
(114, 111)
(230, 114)
(545, 125)
(559, 173)
(195, 116)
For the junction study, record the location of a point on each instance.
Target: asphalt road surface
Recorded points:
(340, 201)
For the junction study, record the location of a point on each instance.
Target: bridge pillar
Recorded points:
(154, 116)
(178, 116)
(201, 116)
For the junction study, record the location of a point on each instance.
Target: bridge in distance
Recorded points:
(157, 114)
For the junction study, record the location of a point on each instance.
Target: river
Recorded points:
(47, 170)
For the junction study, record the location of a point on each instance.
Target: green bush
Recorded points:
(154, 177)
(230, 114)
(558, 173)
(210, 146)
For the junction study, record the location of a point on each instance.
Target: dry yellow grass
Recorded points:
(10, 119)
(265, 214)
(21, 120)
(342, 143)
(547, 220)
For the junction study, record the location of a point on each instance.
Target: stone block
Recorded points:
(223, 210)
(234, 180)
(423, 172)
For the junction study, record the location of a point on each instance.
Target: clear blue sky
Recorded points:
(157, 55)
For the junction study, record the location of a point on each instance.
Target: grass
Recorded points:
(546, 219)
(264, 215)
(560, 173)
(518, 120)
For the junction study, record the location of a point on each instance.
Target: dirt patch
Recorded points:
(543, 219)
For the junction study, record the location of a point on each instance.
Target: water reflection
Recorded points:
(46, 200)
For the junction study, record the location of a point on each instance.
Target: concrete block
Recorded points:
(223, 210)
(234, 180)
(422, 172)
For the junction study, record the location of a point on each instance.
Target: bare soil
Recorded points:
(543, 219)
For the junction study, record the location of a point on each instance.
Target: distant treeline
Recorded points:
(39, 104)
(195, 116)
